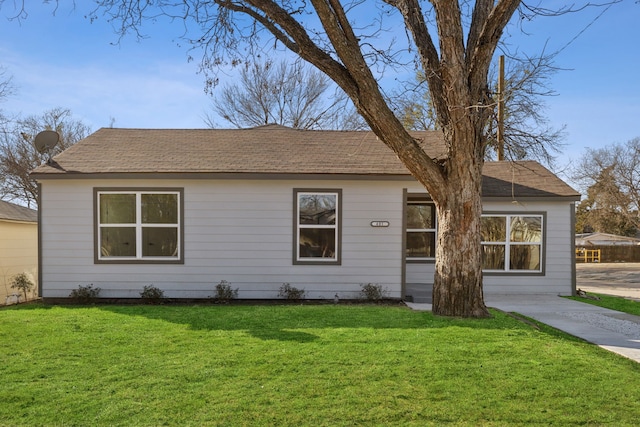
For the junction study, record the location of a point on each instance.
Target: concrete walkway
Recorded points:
(612, 330)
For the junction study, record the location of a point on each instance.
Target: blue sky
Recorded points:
(66, 61)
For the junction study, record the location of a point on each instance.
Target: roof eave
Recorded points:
(220, 175)
(523, 199)
(18, 221)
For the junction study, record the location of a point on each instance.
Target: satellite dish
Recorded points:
(45, 141)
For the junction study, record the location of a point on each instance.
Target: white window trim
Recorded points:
(139, 226)
(507, 244)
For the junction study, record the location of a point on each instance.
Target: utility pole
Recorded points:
(500, 133)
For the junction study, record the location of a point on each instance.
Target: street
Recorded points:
(621, 279)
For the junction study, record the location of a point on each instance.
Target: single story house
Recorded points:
(605, 247)
(324, 211)
(18, 246)
(604, 239)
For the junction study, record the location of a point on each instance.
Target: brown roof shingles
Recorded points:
(523, 179)
(274, 149)
(13, 212)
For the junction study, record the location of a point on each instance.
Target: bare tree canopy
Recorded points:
(452, 43)
(18, 155)
(341, 41)
(413, 105)
(6, 89)
(611, 178)
(285, 93)
(527, 133)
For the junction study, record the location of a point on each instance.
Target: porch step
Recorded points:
(420, 293)
(419, 300)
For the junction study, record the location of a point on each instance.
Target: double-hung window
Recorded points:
(139, 225)
(317, 226)
(421, 229)
(512, 242)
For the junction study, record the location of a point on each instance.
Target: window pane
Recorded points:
(159, 208)
(421, 244)
(526, 229)
(118, 241)
(317, 243)
(493, 257)
(160, 241)
(524, 257)
(493, 228)
(117, 208)
(317, 208)
(421, 216)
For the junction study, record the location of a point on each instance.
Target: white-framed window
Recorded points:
(421, 229)
(139, 225)
(317, 226)
(512, 242)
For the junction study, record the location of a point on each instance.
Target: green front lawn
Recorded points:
(614, 303)
(300, 365)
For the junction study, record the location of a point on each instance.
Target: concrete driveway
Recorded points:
(620, 279)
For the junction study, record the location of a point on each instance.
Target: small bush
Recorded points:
(21, 282)
(371, 292)
(85, 294)
(152, 294)
(291, 293)
(224, 292)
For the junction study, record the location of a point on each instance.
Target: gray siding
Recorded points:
(235, 230)
(241, 231)
(557, 258)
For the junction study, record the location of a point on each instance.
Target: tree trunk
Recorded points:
(457, 78)
(457, 287)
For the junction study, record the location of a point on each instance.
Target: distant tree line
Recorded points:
(610, 177)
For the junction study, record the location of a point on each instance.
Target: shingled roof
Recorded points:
(13, 212)
(272, 150)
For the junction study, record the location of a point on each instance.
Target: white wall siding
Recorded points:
(240, 231)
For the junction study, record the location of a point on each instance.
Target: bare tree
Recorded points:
(606, 209)
(6, 90)
(321, 32)
(286, 93)
(527, 133)
(18, 156)
(611, 178)
(413, 104)
(451, 42)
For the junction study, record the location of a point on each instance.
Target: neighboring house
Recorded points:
(18, 246)
(604, 239)
(604, 247)
(325, 211)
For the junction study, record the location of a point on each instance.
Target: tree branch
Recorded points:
(414, 20)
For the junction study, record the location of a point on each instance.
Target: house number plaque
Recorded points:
(379, 223)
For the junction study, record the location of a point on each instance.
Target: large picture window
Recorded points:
(512, 243)
(317, 226)
(139, 225)
(421, 229)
